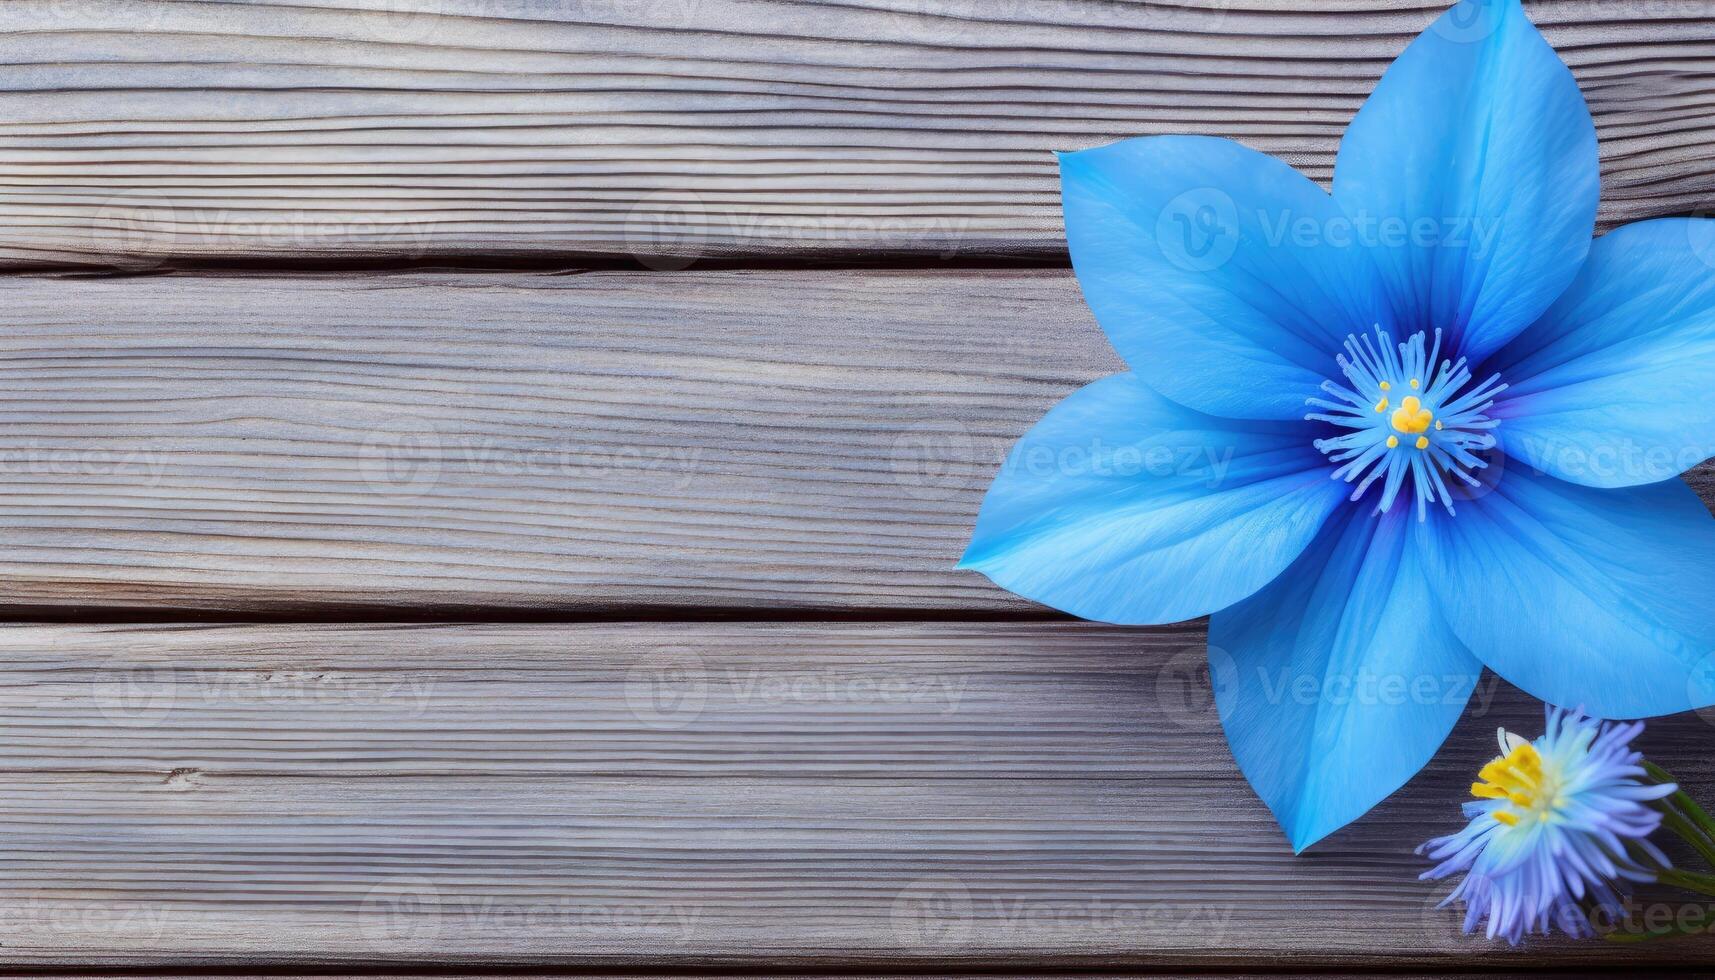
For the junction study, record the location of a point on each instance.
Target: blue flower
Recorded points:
(1559, 823)
(1386, 435)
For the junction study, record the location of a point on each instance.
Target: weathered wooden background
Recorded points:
(481, 480)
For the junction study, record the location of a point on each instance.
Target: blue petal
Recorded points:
(1473, 167)
(1603, 599)
(1611, 388)
(1338, 682)
(1125, 507)
(1225, 278)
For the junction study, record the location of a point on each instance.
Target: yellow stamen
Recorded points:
(1423, 442)
(1411, 417)
(1437, 425)
(1517, 779)
(1393, 442)
(1415, 383)
(1381, 406)
(1386, 386)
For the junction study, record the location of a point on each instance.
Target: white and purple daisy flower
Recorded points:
(1560, 825)
(1404, 430)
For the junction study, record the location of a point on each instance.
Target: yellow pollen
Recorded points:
(1516, 778)
(1386, 386)
(1411, 417)
(1415, 384)
(1381, 406)
(1437, 425)
(1393, 442)
(1422, 442)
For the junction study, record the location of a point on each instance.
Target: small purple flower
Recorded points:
(1559, 822)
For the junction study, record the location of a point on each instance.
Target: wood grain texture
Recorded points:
(672, 794)
(139, 133)
(760, 440)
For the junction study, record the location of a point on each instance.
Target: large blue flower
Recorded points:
(1387, 435)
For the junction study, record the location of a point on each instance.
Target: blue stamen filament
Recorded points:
(1433, 432)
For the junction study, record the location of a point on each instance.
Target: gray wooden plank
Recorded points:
(783, 440)
(138, 133)
(757, 440)
(683, 794)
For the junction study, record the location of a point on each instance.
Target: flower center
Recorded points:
(1437, 429)
(1518, 778)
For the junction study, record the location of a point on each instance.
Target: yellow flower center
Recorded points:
(1517, 778)
(1411, 417)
